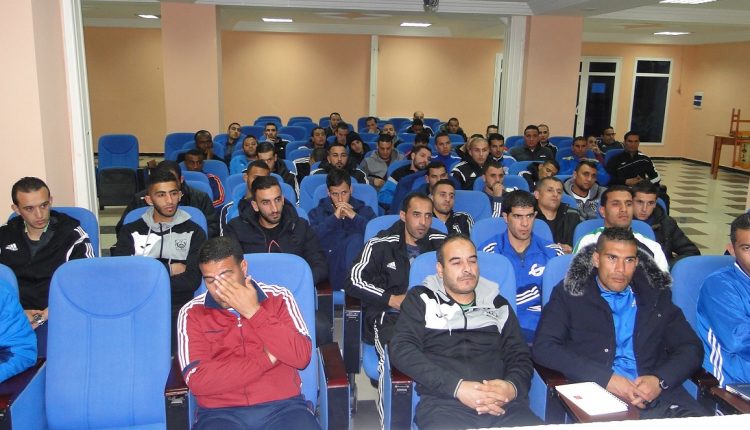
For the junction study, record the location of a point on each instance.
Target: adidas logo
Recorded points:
(391, 265)
(12, 247)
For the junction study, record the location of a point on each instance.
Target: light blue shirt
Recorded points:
(624, 310)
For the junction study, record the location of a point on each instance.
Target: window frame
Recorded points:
(637, 75)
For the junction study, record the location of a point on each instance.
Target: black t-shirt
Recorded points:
(272, 238)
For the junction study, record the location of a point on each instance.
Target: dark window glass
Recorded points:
(649, 107)
(603, 67)
(647, 66)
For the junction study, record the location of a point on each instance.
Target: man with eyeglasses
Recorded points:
(607, 141)
(527, 252)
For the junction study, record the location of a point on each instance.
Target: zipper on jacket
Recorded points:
(244, 354)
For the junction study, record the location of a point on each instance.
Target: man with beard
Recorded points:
(337, 158)
(270, 133)
(233, 137)
(443, 195)
(249, 154)
(583, 187)
(168, 234)
(420, 158)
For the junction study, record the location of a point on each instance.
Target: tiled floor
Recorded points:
(702, 206)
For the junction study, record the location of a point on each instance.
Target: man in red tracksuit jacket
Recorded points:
(241, 346)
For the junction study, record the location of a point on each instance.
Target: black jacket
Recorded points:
(440, 350)
(175, 242)
(624, 166)
(467, 172)
(65, 240)
(459, 222)
(325, 168)
(297, 237)
(670, 236)
(190, 197)
(290, 178)
(382, 270)
(576, 334)
(563, 225)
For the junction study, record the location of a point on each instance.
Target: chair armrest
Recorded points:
(12, 387)
(324, 294)
(550, 377)
(397, 396)
(704, 380)
(175, 386)
(334, 387)
(176, 398)
(352, 337)
(735, 403)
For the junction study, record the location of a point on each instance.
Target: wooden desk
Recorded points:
(719, 141)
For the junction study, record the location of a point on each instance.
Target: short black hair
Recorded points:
(161, 176)
(417, 121)
(495, 136)
(386, 138)
(422, 138)
(265, 147)
(335, 144)
(233, 123)
(620, 234)
(250, 136)
(26, 184)
(645, 187)
(312, 132)
(196, 152)
(342, 125)
(587, 162)
(259, 164)
(492, 163)
(370, 118)
(418, 148)
(742, 222)
(453, 237)
(411, 196)
(612, 189)
(518, 198)
(317, 154)
(530, 127)
(631, 133)
(271, 123)
(172, 166)
(553, 162)
(443, 182)
(337, 177)
(442, 134)
(435, 165)
(334, 113)
(540, 183)
(219, 248)
(200, 132)
(264, 183)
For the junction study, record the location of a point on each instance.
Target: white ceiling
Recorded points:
(624, 21)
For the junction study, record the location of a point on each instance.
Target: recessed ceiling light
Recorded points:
(278, 20)
(671, 33)
(148, 16)
(415, 24)
(687, 1)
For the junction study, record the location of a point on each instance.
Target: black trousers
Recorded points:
(438, 413)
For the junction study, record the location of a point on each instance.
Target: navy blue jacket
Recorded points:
(333, 231)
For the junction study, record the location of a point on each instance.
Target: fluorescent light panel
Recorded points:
(687, 1)
(415, 24)
(148, 16)
(278, 20)
(671, 33)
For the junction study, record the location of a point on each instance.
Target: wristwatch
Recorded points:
(663, 384)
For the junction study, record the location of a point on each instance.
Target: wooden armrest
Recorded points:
(704, 380)
(324, 288)
(399, 378)
(550, 377)
(333, 364)
(337, 387)
(352, 337)
(175, 386)
(12, 387)
(736, 402)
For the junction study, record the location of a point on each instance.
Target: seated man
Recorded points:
(204, 143)
(580, 152)
(467, 171)
(607, 140)
(371, 126)
(443, 195)
(376, 165)
(417, 127)
(561, 218)
(303, 164)
(390, 130)
(335, 119)
(493, 175)
(527, 252)
(723, 318)
(434, 172)
(497, 151)
(632, 166)
(617, 211)
(612, 321)
(582, 186)
(420, 157)
(276, 164)
(342, 130)
(270, 224)
(234, 131)
(544, 139)
(194, 163)
(357, 148)
(270, 135)
(453, 127)
(339, 221)
(530, 150)
(491, 129)
(318, 138)
(232, 209)
(483, 386)
(337, 158)
(249, 154)
(537, 171)
(444, 151)
(167, 233)
(669, 235)
(17, 338)
(38, 241)
(243, 378)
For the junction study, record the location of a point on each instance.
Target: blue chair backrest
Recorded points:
(398, 122)
(515, 182)
(196, 177)
(195, 215)
(84, 216)
(118, 150)
(561, 141)
(397, 164)
(589, 225)
(369, 137)
(324, 121)
(233, 181)
(121, 339)
(255, 130)
(570, 200)
(297, 133)
(297, 153)
(201, 186)
(519, 166)
(407, 137)
(269, 118)
(688, 275)
(262, 121)
(494, 267)
(307, 190)
(9, 277)
(456, 138)
(363, 192)
(484, 229)
(295, 145)
(475, 203)
(216, 167)
(290, 166)
(297, 119)
(175, 141)
(563, 178)
(568, 152)
(511, 141)
(405, 147)
(375, 225)
(433, 123)
(612, 153)
(554, 272)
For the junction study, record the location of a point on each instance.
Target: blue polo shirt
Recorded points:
(624, 309)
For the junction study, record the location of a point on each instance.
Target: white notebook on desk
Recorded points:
(592, 398)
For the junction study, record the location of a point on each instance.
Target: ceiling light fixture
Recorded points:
(278, 20)
(415, 24)
(147, 16)
(687, 1)
(671, 33)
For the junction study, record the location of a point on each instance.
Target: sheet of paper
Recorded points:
(592, 398)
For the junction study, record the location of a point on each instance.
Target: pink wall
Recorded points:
(553, 52)
(442, 77)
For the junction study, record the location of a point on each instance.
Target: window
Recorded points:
(598, 82)
(650, 94)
